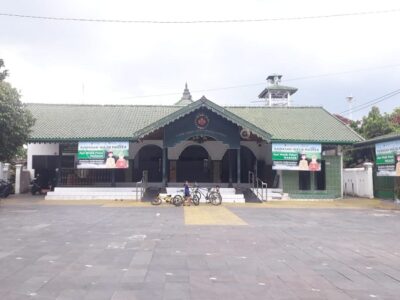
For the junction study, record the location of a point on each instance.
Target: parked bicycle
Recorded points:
(163, 198)
(212, 195)
(177, 199)
(180, 199)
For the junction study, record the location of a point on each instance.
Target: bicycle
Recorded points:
(162, 198)
(212, 196)
(181, 199)
(176, 200)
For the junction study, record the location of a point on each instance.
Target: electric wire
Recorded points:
(127, 21)
(263, 83)
(371, 102)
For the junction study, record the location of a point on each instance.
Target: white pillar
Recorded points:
(6, 171)
(18, 169)
(369, 180)
(1, 170)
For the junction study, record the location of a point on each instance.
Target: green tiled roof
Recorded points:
(56, 122)
(306, 124)
(93, 122)
(277, 87)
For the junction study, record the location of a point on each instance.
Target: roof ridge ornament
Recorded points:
(186, 98)
(203, 99)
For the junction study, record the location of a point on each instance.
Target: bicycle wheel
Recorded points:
(178, 200)
(196, 199)
(156, 201)
(215, 198)
(197, 194)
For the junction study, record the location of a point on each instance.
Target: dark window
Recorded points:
(304, 180)
(320, 182)
(67, 161)
(44, 161)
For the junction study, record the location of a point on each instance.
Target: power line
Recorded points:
(263, 83)
(298, 18)
(372, 102)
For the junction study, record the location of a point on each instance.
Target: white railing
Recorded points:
(258, 186)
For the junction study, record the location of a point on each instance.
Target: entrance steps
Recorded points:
(276, 195)
(94, 193)
(273, 194)
(228, 195)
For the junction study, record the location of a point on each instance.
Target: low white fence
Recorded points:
(358, 182)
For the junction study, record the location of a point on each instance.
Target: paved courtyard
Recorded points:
(230, 252)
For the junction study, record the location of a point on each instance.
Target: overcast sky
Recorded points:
(105, 63)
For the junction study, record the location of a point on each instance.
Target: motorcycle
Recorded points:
(5, 188)
(35, 187)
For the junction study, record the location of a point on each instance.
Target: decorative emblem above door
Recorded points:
(201, 121)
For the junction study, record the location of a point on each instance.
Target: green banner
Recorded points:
(388, 158)
(91, 154)
(106, 155)
(296, 157)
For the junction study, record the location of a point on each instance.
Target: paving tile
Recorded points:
(91, 252)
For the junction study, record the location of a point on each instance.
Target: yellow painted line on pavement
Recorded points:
(207, 215)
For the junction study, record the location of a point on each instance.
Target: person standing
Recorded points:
(187, 193)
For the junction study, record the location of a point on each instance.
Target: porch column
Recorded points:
(59, 164)
(216, 165)
(238, 165)
(230, 167)
(164, 166)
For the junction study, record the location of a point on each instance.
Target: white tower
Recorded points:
(275, 94)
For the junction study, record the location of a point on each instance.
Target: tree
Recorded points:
(3, 74)
(375, 124)
(395, 118)
(15, 119)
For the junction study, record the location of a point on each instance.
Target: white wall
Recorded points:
(262, 150)
(359, 181)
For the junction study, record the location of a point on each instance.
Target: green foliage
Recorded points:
(15, 122)
(3, 74)
(375, 124)
(395, 118)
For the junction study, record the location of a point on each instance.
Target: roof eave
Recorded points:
(78, 139)
(327, 142)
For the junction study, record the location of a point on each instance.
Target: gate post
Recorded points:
(18, 169)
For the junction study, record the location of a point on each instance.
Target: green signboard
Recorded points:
(388, 158)
(296, 157)
(103, 155)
